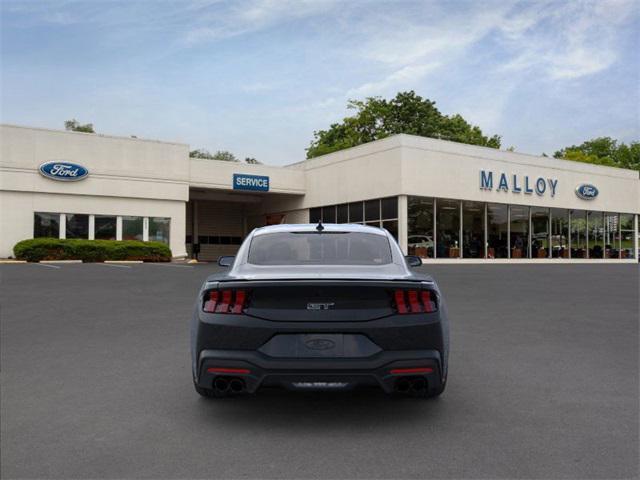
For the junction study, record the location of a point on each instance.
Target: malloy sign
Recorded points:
(518, 183)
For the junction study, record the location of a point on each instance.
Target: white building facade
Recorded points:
(443, 201)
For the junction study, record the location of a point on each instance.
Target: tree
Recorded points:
(604, 151)
(377, 118)
(225, 156)
(75, 126)
(201, 153)
(252, 161)
(219, 155)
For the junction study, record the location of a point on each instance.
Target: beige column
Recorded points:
(635, 236)
(403, 230)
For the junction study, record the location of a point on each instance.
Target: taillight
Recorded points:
(225, 301)
(415, 301)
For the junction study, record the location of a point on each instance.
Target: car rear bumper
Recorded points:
(258, 370)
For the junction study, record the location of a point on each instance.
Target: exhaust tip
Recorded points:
(236, 385)
(403, 385)
(221, 384)
(419, 385)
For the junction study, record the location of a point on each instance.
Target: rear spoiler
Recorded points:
(323, 282)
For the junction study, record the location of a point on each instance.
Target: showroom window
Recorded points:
(105, 227)
(389, 208)
(611, 235)
(578, 234)
(626, 236)
(342, 213)
(329, 214)
(420, 227)
(519, 231)
(315, 215)
(376, 213)
(219, 240)
(356, 212)
(595, 236)
(559, 233)
(497, 231)
(447, 228)
(77, 226)
(159, 229)
(540, 233)
(132, 228)
(46, 225)
(389, 215)
(473, 242)
(392, 227)
(372, 211)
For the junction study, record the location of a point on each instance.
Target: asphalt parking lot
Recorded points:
(96, 383)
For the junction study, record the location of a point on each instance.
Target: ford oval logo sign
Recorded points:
(63, 171)
(586, 191)
(320, 344)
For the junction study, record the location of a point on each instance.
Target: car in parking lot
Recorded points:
(319, 307)
(420, 241)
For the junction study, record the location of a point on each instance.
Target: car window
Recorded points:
(312, 248)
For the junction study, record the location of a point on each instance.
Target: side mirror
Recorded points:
(413, 261)
(226, 261)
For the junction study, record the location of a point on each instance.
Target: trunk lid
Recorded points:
(319, 300)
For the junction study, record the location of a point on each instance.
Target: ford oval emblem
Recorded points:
(586, 191)
(319, 344)
(63, 171)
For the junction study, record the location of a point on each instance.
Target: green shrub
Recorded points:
(36, 249)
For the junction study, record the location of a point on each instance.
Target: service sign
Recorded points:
(257, 183)
(63, 171)
(586, 191)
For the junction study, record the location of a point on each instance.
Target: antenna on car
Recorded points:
(320, 227)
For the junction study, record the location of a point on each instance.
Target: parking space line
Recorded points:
(113, 265)
(170, 265)
(46, 265)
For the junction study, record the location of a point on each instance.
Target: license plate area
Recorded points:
(319, 345)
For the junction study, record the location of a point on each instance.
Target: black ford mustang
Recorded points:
(319, 307)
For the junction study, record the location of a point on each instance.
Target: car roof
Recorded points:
(312, 227)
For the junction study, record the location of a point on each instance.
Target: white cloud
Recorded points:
(405, 77)
(564, 41)
(408, 47)
(481, 59)
(429, 35)
(250, 16)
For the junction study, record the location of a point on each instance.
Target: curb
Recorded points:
(8, 262)
(60, 261)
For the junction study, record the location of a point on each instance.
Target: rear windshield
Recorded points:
(311, 248)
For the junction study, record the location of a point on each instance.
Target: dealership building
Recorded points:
(443, 201)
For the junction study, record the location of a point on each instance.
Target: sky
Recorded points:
(258, 77)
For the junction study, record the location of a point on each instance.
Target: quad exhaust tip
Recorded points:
(411, 385)
(236, 385)
(221, 384)
(224, 385)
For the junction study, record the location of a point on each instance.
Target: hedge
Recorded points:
(36, 249)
